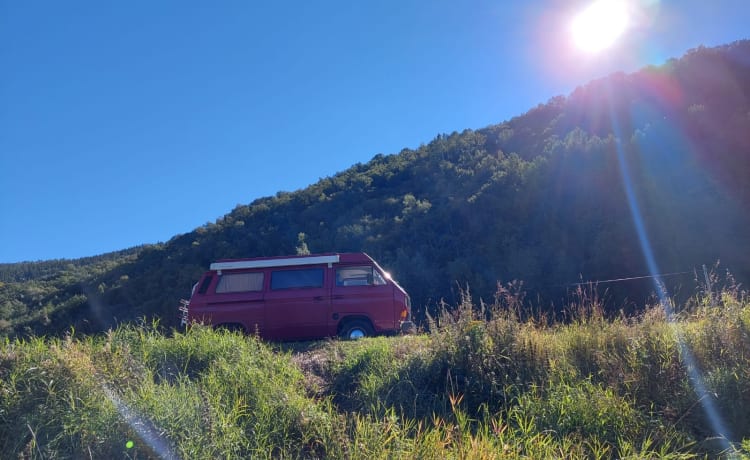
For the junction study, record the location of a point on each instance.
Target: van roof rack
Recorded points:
(274, 262)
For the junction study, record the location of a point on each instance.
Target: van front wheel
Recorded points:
(353, 330)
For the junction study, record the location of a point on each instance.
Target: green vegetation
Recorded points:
(40, 296)
(539, 198)
(484, 383)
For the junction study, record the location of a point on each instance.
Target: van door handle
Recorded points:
(338, 297)
(318, 298)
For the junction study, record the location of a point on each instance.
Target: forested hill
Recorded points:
(549, 197)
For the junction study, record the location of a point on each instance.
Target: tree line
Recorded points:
(561, 194)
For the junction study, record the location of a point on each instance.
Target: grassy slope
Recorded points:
(499, 387)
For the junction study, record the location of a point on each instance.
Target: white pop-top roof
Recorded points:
(265, 263)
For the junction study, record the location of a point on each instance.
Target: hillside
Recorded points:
(550, 197)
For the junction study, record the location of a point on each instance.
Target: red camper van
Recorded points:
(300, 297)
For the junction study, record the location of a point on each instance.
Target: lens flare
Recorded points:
(696, 379)
(147, 432)
(598, 26)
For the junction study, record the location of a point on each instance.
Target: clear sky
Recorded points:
(129, 122)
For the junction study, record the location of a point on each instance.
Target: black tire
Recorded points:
(356, 329)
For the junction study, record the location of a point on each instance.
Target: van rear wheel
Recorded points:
(356, 329)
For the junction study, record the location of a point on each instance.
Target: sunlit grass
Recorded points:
(483, 383)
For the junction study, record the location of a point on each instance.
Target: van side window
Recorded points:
(240, 282)
(359, 276)
(293, 279)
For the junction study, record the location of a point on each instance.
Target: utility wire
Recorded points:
(662, 275)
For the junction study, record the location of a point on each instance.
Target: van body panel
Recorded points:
(298, 297)
(364, 294)
(245, 308)
(299, 312)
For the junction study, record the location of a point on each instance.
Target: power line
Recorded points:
(662, 275)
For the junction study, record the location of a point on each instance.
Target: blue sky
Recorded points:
(124, 123)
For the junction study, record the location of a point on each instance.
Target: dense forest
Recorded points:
(580, 188)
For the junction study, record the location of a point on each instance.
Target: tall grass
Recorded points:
(487, 381)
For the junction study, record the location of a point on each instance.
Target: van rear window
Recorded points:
(240, 282)
(293, 279)
(205, 284)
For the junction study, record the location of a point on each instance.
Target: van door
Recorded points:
(362, 290)
(297, 303)
(238, 299)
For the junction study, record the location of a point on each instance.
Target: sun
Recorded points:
(598, 26)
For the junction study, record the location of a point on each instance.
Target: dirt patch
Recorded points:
(315, 365)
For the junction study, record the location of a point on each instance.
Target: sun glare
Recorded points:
(599, 25)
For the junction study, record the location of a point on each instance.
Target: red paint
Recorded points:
(299, 297)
